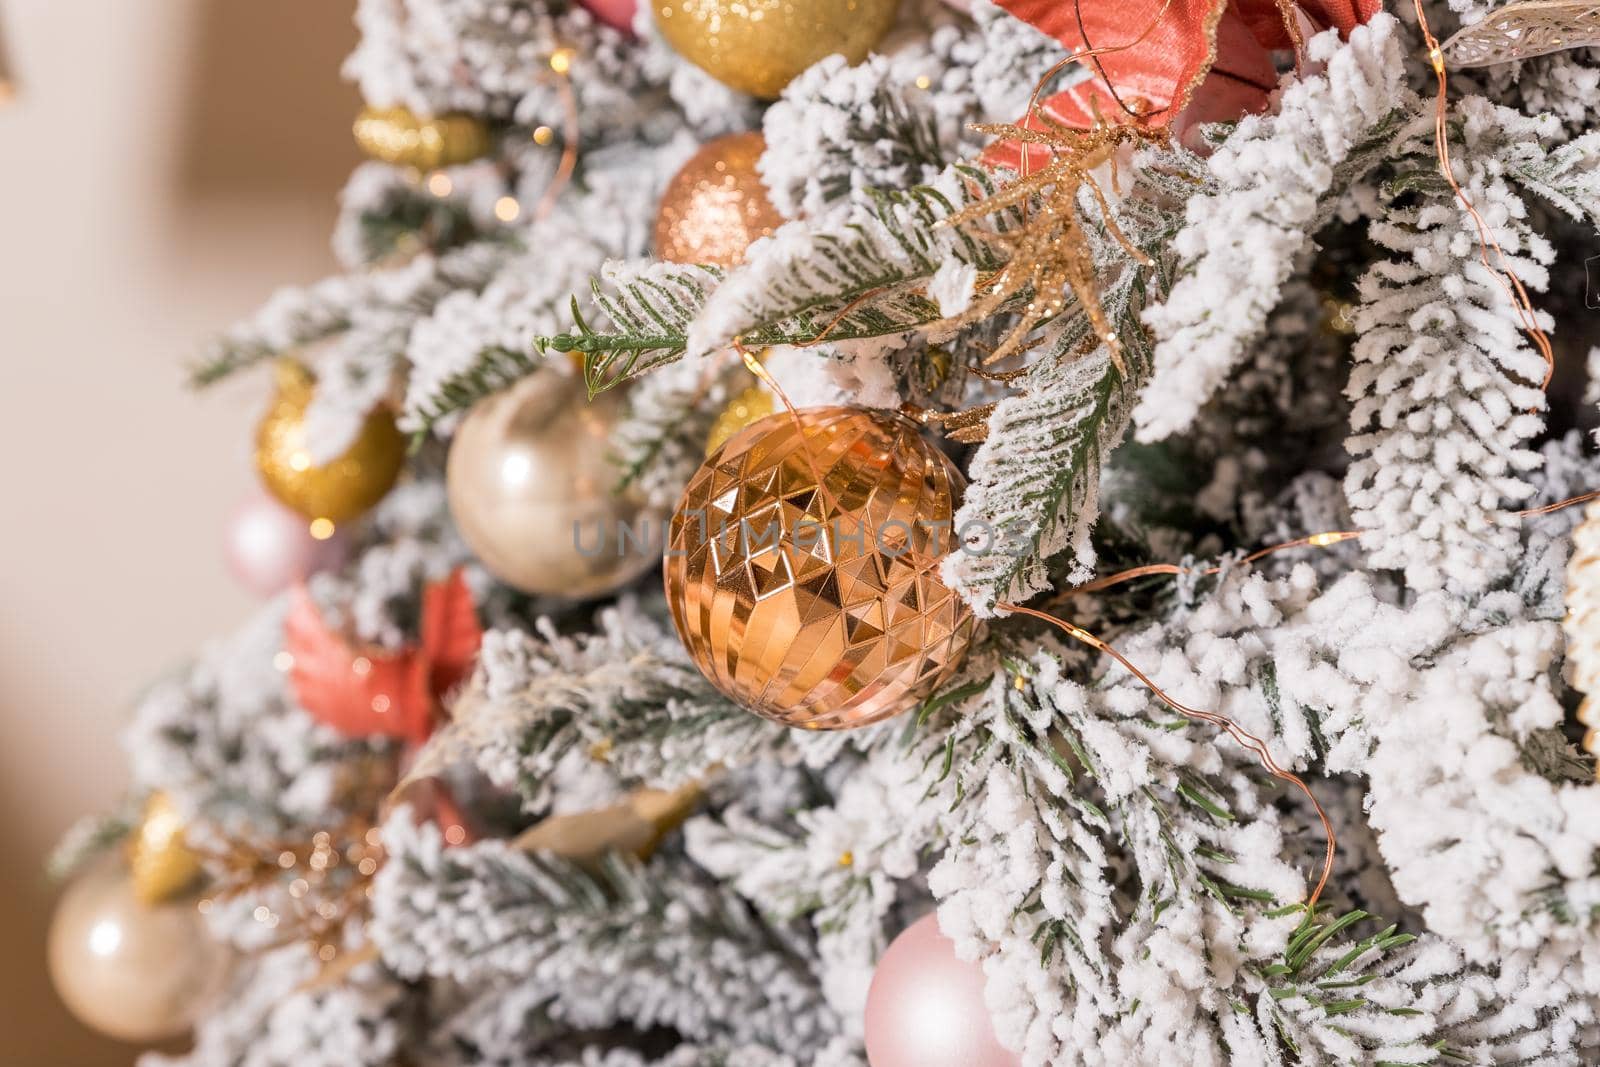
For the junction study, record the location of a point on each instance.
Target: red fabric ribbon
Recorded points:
(1174, 62)
(371, 692)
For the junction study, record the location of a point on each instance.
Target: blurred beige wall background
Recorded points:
(165, 165)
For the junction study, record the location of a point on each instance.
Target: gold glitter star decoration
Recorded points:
(1049, 253)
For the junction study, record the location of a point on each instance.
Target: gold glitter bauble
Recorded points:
(715, 206)
(398, 135)
(1582, 623)
(162, 866)
(750, 406)
(130, 970)
(802, 568)
(336, 491)
(532, 487)
(758, 46)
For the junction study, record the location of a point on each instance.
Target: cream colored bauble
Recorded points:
(133, 971)
(534, 490)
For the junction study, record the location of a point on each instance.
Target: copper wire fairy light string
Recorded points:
(1581, 498)
(570, 134)
(1245, 739)
(1316, 540)
(1324, 539)
(1526, 316)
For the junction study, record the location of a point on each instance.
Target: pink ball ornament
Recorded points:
(618, 14)
(269, 547)
(925, 1007)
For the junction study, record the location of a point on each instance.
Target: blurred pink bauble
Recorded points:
(925, 1007)
(270, 548)
(618, 14)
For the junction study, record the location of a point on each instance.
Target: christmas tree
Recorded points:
(857, 532)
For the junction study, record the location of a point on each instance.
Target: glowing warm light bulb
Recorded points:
(439, 183)
(561, 60)
(321, 529)
(506, 209)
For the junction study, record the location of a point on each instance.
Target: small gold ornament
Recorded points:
(716, 204)
(1524, 30)
(130, 970)
(1582, 623)
(398, 135)
(162, 866)
(336, 491)
(750, 406)
(758, 46)
(533, 489)
(802, 568)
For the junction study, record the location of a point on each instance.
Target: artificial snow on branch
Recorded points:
(654, 945)
(1447, 391)
(1243, 232)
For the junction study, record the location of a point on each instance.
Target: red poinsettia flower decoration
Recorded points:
(1173, 62)
(373, 692)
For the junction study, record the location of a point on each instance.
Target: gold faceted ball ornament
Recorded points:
(161, 864)
(716, 205)
(802, 568)
(400, 136)
(336, 491)
(759, 46)
(748, 407)
(134, 971)
(534, 490)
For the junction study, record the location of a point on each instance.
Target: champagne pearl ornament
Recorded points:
(716, 204)
(759, 46)
(333, 492)
(135, 972)
(802, 568)
(925, 1006)
(533, 490)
